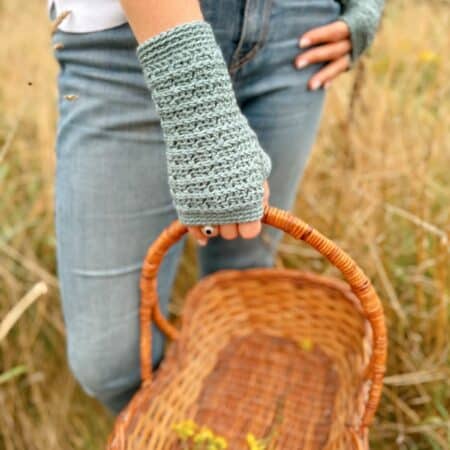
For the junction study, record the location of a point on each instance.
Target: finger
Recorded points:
(326, 52)
(329, 72)
(266, 193)
(229, 231)
(249, 230)
(332, 32)
(198, 235)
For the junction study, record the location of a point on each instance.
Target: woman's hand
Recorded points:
(332, 44)
(214, 177)
(246, 230)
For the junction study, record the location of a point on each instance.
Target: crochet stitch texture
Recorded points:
(363, 18)
(216, 166)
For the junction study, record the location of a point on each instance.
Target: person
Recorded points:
(179, 110)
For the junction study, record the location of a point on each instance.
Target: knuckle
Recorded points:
(346, 46)
(342, 32)
(228, 237)
(229, 233)
(248, 234)
(322, 53)
(249, 231)
(314, 56)
(304, 55)
(334, 71)
(344, 62)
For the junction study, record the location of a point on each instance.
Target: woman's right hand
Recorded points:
(215, 164)
(246, 230)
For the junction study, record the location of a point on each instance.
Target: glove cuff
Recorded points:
(362, 19)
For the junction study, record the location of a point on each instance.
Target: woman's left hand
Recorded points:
(332, 44)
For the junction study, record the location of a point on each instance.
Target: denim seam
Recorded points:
(242, 33)
(237, 63)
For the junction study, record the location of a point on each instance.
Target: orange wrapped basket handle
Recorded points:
(283, 220)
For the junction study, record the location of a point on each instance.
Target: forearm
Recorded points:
(216, 166)
(148, 18)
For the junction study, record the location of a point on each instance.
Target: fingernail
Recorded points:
(202, 242)
(301, 63)
(304, 42)
(315, 85)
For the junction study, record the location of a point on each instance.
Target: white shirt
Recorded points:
(89, 15)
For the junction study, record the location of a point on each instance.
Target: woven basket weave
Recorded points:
(262, 350)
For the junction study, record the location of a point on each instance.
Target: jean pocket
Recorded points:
(253, 33)
(292, 18)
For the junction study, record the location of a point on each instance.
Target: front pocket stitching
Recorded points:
(234, 66)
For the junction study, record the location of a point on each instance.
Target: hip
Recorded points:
(244, 29)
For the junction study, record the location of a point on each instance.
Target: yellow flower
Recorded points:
(428, 56)
(306, 344)
(189, 429)
(204, 435)
(253, 443)
(185, 429)
(220, 443)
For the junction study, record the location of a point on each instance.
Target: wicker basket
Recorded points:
(278, 351)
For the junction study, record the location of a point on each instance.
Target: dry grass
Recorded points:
(377, 183)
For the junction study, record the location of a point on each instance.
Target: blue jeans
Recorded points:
(111, 193)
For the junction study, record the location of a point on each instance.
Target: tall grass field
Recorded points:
(377, 183)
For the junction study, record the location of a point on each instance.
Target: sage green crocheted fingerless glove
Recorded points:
(215, 163)
(363, 18)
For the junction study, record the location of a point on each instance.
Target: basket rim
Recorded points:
(274, 272)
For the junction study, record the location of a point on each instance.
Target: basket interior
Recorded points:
(265, 384)
(268, 351)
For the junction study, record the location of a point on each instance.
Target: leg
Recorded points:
(112, 200)
(283, 112)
